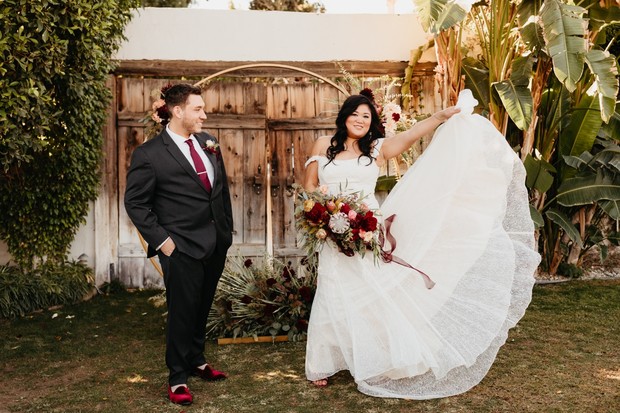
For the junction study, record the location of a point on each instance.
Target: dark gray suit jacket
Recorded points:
(164, 197)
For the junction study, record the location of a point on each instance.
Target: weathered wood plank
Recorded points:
(199, 69)
(281, 144)
(255, 188)
(327, 100)
(255, 98)
(301, 96)
(231, 98)
(105, 206)
(231, 144)
(278, 104)
(211, 96)
(214, 121)
(128, 140)
(130, 95)
(298, 124)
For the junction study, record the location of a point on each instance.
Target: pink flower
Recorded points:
(367, 237)
(352, 215)
(158, 104)
(331, 206)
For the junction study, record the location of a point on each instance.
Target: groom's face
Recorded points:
(193, 114)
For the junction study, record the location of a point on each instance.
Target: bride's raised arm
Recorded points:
(399, 143)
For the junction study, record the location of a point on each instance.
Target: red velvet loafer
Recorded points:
(209, 374)
(180, 396)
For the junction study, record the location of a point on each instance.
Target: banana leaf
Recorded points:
(602, 17)
(611, 208)
(611, 130)
(587, 190)
(565, 223)
(529, 27)
(603, 66)
(385, 183)
(515, 94)
(564, 30)
(537, 217)
(438, 15)
(576, 162)
(608, 158)
(428, 11)
(538, 174)
(581, 133)
(477, 80)
(452, 14)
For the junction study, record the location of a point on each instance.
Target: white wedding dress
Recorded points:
(462, 217)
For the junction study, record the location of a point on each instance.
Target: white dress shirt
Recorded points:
(180, 141)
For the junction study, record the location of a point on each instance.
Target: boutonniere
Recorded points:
(212, 147)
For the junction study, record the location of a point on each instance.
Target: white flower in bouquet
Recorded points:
(339, 223)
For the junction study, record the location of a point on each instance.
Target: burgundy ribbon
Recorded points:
(387, 256)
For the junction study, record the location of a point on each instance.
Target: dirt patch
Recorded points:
(67, 375)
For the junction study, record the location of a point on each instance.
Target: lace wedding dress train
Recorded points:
(462, 217)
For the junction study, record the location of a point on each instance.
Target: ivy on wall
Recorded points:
(56, 56)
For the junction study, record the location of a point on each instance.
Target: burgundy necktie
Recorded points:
(200, 166)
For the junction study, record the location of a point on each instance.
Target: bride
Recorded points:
(461, 216)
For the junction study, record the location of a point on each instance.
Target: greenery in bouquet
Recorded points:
(343, 219)
(268, 298)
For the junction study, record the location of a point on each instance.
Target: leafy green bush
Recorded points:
(271, 298)
(56, 58)
(46, 286)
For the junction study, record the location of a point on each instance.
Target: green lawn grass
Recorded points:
(106, 355)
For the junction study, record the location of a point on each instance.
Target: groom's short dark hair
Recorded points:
(177, 95)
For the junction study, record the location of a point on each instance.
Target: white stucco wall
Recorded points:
(83, 245)
(249, 35)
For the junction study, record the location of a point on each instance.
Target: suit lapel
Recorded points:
(176, 153)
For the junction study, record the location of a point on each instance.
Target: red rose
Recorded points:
(302, 325)
(317, 214)
(306, 294)
(396, 117)
(369, 222)
(287, 272)
(345, 208)
(269, 309)
(270, 282)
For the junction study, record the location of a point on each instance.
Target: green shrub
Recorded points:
(56, 59)
(44, 287)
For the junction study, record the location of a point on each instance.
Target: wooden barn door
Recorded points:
(265, 131)
(297, 115)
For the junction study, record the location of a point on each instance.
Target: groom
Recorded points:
(177, 197)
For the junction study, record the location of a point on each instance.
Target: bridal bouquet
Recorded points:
(343, 219)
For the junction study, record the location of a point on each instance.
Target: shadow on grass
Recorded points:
(106, 355)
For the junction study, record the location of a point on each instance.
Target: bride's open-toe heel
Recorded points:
(320, 382)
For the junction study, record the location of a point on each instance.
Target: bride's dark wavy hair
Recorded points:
(365, 143)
